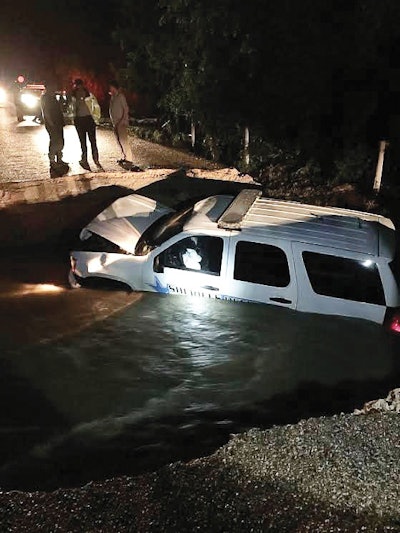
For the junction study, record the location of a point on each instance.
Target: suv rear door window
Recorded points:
(344, 278)
(261, 263)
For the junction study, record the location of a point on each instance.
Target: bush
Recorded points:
(356, 165)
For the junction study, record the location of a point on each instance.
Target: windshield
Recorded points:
(163, 229)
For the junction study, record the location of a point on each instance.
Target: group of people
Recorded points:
(87, 113)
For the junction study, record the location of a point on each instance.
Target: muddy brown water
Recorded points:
(98, 382)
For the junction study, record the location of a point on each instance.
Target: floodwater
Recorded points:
(99, 382)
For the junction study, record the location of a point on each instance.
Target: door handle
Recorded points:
(281, 300)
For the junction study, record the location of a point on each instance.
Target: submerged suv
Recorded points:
(247, 248)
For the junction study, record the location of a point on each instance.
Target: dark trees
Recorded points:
(321, 76)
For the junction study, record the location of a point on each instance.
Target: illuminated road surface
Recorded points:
(24, 148)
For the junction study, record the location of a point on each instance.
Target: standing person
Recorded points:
(119, 114)
(54, 124)
(86, 114)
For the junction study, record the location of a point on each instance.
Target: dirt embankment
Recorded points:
(53, 211)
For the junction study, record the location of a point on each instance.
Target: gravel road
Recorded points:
(320, 475)
(24, 147)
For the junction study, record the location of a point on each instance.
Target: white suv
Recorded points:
(249, 248)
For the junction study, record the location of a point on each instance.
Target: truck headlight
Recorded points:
(3, 96)
(29, 100)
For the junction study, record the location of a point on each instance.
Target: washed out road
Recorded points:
(24, 147)
(35, 300)
(99, 382)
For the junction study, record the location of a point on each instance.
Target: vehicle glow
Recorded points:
(47, 287)
(395, 324)
(29, 100)
(30, 289)
(3, 96)
(197, 305)
(367, 263)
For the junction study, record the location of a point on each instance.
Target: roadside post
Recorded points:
(379, 166)
(193, 134)
(246, 145)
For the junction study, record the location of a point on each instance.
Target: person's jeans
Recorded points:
(85, 126)
(56, 145)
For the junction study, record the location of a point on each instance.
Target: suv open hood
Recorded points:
(124, 221)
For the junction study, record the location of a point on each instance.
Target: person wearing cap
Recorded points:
(54, 124)
(86, 113)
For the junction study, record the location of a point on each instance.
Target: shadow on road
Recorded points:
(59, 223)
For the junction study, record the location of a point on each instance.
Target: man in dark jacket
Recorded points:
(54, 123)
(85, 108)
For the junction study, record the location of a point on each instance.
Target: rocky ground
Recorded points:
(320, 475)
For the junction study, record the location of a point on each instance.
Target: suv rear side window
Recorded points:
(261, 263)
(344, 278)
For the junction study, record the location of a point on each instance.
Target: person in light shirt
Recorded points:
(119, 115)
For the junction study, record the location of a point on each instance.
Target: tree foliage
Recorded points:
(322, 75)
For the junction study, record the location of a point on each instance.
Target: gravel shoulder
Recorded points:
(328, 474)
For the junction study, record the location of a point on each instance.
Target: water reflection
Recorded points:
(180, 362)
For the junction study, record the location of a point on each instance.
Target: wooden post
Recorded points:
(379, 166)
(193, 134)
(246, 145)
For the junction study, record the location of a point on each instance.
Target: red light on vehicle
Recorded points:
(392, 320)
(20, 79)
(395, 324)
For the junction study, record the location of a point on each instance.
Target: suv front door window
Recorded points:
(201, 253)
(191, 266)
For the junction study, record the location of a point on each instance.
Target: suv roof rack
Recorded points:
(232, 217)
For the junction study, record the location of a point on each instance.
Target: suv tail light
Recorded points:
(392, 320)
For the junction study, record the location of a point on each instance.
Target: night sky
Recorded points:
(40, 37)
